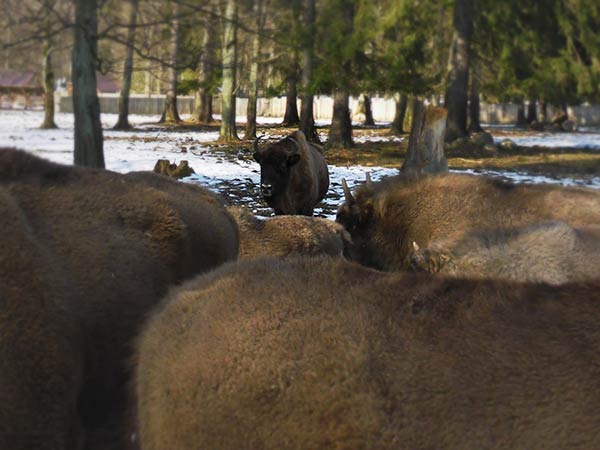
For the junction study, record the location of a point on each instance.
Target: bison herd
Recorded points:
(447, 311)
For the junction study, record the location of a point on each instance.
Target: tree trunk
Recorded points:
(148, 81)
(458, 71)
(228, 132)
(48, 77)
(123, 121)
(203, 108)
(170, 113)
(521, 119)
(543, 112)
(531, 111)
(426, 142)
(474, 106)
(413, 102)
(253, 78)
(307, 122)
(340, 133)
(88, 149)
(161, 76)
(364, 107)
(401, 101)
(291, 118)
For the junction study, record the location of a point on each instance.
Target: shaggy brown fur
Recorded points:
(85, 254)
(386, 218)
(293, 175)
(288, 235)
(553, 252)
(320, 353)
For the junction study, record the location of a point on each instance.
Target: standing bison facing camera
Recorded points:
(293, 175)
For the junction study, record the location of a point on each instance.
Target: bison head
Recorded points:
(275, 163)
(356, 216)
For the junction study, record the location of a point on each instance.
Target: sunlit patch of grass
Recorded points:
(563, 164)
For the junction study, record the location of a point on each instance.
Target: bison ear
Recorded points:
(293, 159)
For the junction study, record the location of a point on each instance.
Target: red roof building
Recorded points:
(14, 81)
(107, 85)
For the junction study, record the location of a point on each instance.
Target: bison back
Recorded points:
(112, 245)
(321, 353)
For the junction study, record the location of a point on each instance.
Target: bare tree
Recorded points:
(228, 131)
(86, 107)
(203, 107)
(123, 121)
(170, 113)
(48, 74)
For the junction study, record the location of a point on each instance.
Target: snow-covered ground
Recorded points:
(522, 177)
(236, 179)
(586, 137)
(126, 151)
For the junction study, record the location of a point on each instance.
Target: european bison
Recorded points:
(293, 174)
(320, 353)
(288, 235)
(385, 218)
(84, 255)
(552, 252)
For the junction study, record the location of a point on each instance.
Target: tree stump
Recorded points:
(426, 142)
(164, 167)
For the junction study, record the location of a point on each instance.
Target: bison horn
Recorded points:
(255, 144)
(347, 193)
(369, 183)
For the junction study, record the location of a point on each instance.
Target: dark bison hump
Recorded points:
(19, 165)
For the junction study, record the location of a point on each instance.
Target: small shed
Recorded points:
(20, 89)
